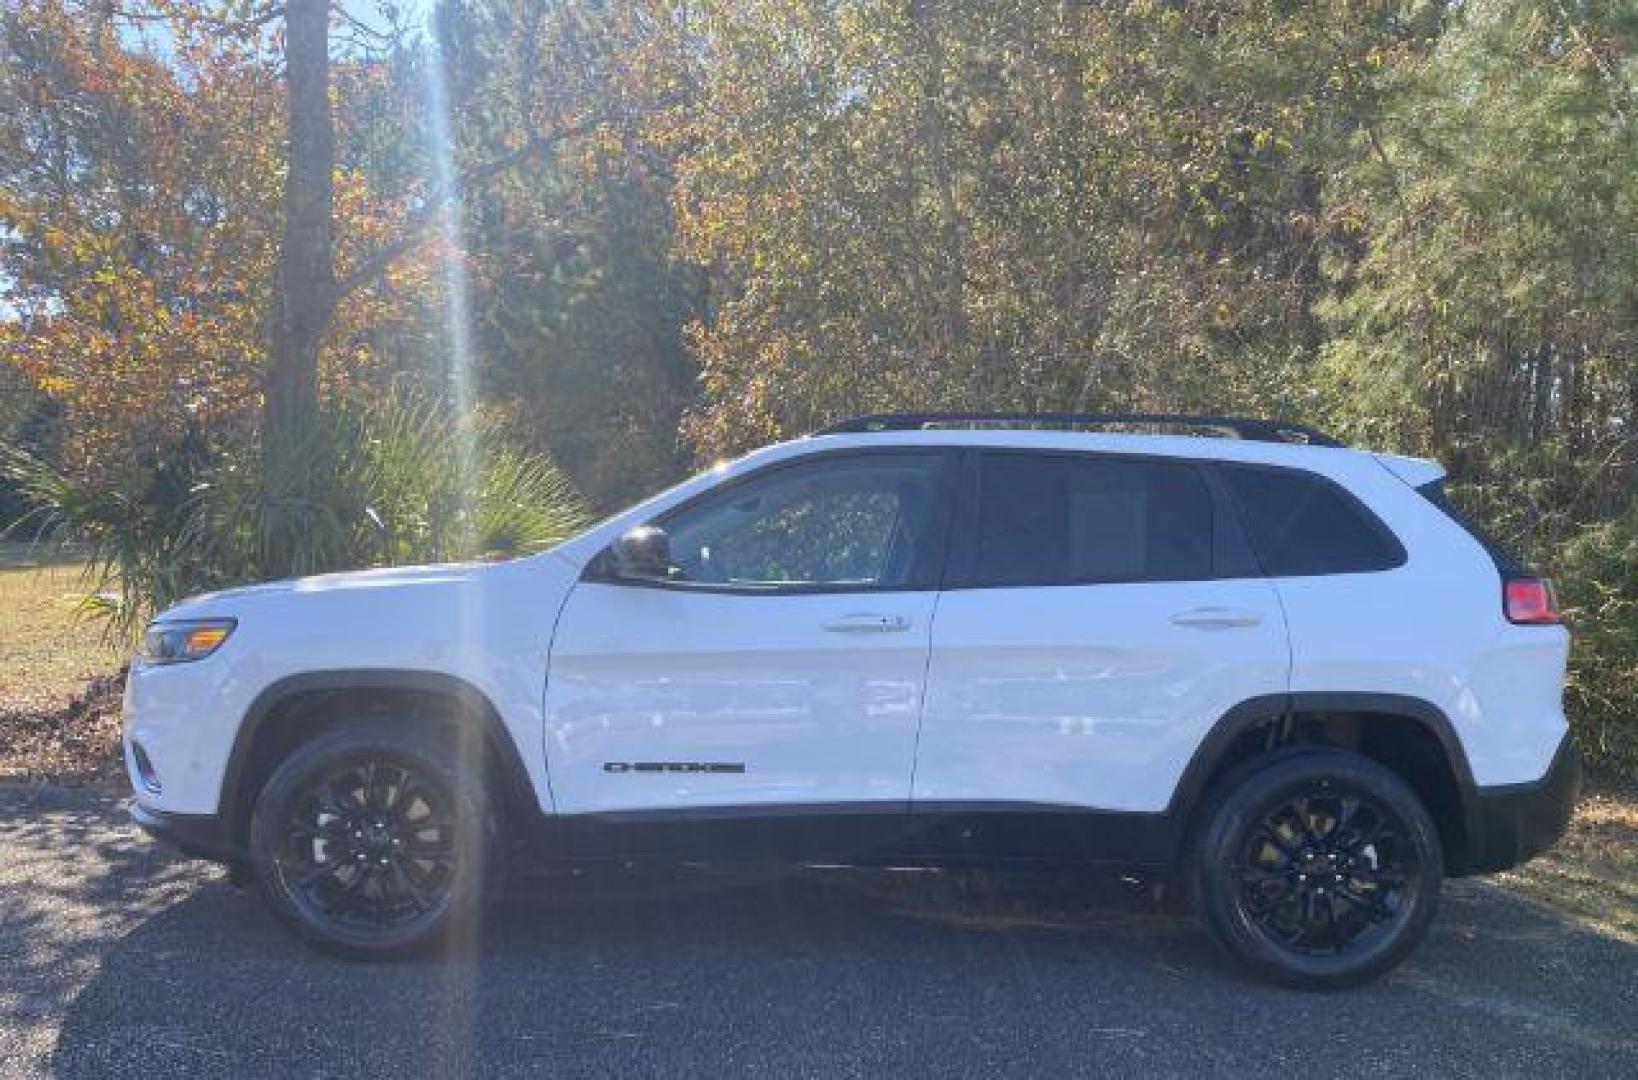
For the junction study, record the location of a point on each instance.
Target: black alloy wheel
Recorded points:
(1327, 871)
(1316, 868)
(372, 845)
(374, 841)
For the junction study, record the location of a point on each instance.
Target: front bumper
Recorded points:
(1512, 823)
(199, 836)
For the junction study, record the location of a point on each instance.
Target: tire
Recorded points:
(1334, 904)
(373, 841)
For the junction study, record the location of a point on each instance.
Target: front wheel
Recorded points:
(373, 841)
(1320, 869)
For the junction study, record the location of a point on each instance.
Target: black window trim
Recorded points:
(927, 576)
(1391, 539)
(1232, 555)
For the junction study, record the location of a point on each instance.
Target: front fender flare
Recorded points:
(472, 702)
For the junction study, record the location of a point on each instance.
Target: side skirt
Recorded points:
(869, 834)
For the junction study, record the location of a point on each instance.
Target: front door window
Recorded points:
(859, 521)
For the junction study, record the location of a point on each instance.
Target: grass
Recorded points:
(57, 714)
(1592, 873)
(49, 649)
(53, 726)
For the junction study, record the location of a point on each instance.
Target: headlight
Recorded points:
(178, 642)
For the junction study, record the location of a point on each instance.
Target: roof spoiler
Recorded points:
(1414, 471)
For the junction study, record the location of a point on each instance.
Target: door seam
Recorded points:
(921, 711)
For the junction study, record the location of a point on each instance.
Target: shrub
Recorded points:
(1597, 572)
(395, 483)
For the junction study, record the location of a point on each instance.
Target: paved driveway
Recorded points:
(119, 960)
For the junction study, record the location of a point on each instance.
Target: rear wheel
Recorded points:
(374, 841)
(1318, 869)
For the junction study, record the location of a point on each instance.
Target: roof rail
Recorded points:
(1233, 426)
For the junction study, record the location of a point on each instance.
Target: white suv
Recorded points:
(1279, 667)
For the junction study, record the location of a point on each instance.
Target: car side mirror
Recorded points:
(643, 554)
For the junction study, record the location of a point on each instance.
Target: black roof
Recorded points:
(1232, 426)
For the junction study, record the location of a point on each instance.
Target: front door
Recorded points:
(780, 669)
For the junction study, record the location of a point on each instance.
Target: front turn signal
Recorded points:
(184, 640)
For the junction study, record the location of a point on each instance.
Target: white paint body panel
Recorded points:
(1088, 694)
(1432, 629)
(670, 675)
(488, 625)
(1082, 702)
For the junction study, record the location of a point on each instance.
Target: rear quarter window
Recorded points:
(1301, 524)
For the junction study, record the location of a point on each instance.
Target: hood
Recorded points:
(395, 577)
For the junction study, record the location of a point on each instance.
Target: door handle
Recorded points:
(868, 624)
(1216, 618)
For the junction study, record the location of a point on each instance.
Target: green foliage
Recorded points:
(1012, 204)
(135, 559)
(1486, 317)
(1598, 571)
(391, 484)
(578, 305)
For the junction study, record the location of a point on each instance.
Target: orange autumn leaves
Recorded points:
(141, 202)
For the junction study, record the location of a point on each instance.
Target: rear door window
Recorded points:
(1057, 519)
(1301, 524)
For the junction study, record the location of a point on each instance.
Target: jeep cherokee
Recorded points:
(1278, 668)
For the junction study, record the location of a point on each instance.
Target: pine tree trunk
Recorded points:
(304, 290)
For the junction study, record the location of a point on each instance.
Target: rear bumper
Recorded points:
(1512, 823)
(200, 836)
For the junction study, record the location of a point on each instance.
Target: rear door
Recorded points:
(1103, 613)
(781, 669)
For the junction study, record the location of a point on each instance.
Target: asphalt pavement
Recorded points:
(118, 958)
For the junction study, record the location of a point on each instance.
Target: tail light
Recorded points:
(1530, 601)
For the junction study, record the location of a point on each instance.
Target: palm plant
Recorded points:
(397, 482)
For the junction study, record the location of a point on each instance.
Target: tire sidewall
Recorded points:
(1240, 805)
(456, 922)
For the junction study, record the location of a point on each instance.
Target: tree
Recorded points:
(1011, 204)
(304, 293)
(140, 195)
(1486, 316)
(578, 302)
(137, 209)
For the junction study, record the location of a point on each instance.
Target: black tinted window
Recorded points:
(1300, 524)
(1049, 520)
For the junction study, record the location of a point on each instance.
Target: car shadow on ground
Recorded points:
(817, 972)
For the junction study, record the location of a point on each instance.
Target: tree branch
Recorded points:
(420, 223)
(359, 26)
(253, 20)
